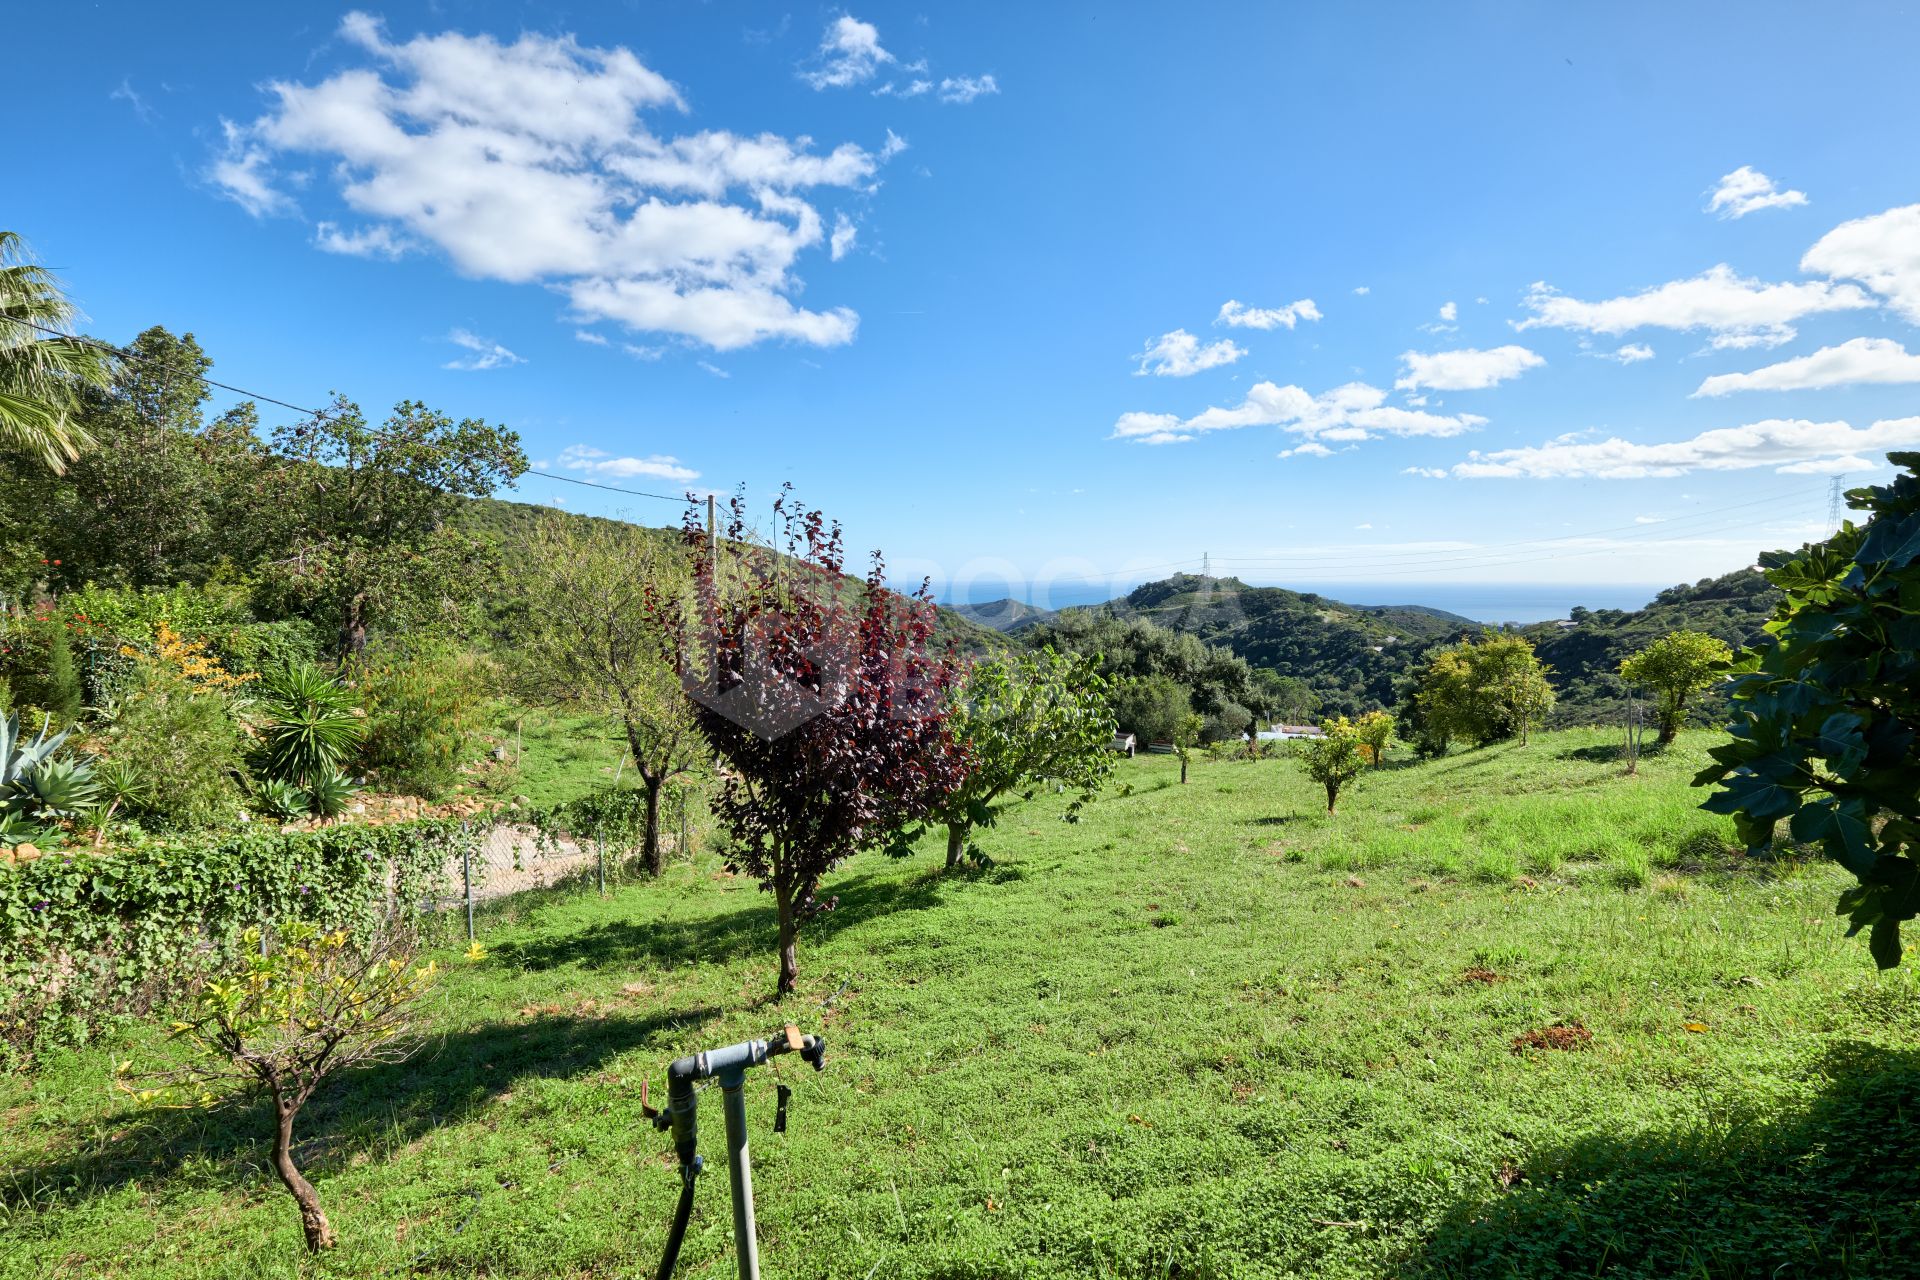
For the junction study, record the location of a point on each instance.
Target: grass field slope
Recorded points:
(1510, 1013)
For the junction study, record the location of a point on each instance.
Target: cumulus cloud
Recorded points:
(1311, 449)
(1464, 370)
(1449, 312)
(1857, 361)
(589, 337)
(531, 162)
(1349, 413)
(1181, 355)
(1747, 190)
(850, 54)
(1881, 251)
(487, 354)
(1792, 446)
(1631, 353)
(1736, 311)
(1238, 315)
(580, 457)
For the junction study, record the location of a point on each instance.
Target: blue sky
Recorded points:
(1518, 294)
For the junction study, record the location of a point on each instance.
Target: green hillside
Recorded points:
(1206, 1032)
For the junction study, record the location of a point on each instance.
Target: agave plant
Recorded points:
(312, 724)
(19, 758)
(15, 829)
(62, 788)
(329, 793)
(283, 800)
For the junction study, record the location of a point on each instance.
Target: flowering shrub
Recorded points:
(85, 940)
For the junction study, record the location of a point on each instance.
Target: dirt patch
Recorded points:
(1561, 1035)
(1482, 975)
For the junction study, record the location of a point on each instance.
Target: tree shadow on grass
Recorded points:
(713, 939)
(376, 1110)
(1834, 1191)
(1611, 753)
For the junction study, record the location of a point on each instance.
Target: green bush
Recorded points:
(426, 707)
(182, 744)
(313, 725)
(86, 940)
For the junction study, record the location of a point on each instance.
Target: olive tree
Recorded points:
(1677, 666)
(1826, 711)
(1026, 719)
(598, 636)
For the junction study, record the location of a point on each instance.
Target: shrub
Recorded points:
(425, 707)
(1334, 759)
(183, 745)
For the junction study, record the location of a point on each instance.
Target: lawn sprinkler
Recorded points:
(729, 1066)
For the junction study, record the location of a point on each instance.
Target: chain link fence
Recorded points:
(506, 860)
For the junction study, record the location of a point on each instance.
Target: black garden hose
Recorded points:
(678, 1231)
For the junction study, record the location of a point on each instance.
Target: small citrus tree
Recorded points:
(1335, 758)
(1026, 719)
(1186, 735)
(1677, 666)
(1376, 732)
(280, 1023)
(1827, 712)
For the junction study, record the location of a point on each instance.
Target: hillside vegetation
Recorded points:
(1208, 1031)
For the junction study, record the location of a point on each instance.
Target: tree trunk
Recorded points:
(1333, 794)
(313, 1220)
(1670, 724)
(789, 928)
(1183, 768)
(650, 842)
(956, 843)
(353, 628)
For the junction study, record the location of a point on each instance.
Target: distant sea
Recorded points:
(1483, 602)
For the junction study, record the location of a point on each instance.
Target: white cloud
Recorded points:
(1737, 312)
(1361, 290)
(1747, 190)
(580, 457)
(910, 89)
(713, 369)
(648, 354)
(1181, 355)
(128, 94)
(1859, 360)
(589, 337)
(1649, 519)
(368, 242)
(1881, 251)
(1311, 449)
(1349, 413)
(1464, 370)
(844, 234)
(964, 89)
(243, 172)
(1449, 312)
(1240, 316)
(850, 53)
(530, 162)
(487, 354)
(1368, 525)
(1632, 353)
(1791, 446)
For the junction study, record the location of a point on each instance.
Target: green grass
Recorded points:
(558, 757)
(1208, 1031)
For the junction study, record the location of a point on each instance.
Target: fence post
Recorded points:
(466, 876)
(600, 849)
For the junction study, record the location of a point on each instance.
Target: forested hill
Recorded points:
(511, 524)
(1350, 655)
(1585, 650)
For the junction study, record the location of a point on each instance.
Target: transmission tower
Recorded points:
(1836, 503)
(1206, 565)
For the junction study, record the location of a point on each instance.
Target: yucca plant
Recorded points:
(284, 800)
(312, 724)
(120, 787)
(329, 794)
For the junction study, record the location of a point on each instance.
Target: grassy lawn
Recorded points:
(1208, 1031)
